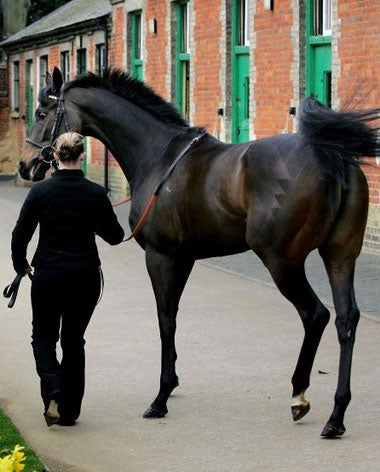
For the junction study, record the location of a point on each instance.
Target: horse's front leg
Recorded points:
(169, 275)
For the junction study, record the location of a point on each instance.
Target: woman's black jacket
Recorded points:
(70, 210)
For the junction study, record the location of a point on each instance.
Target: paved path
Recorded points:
(238, 340)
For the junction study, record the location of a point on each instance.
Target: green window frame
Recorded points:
(29, 94)
(241, 64)
(137, 45)
(16, 86)
(81, 60)
(318, 34)
(183, 58)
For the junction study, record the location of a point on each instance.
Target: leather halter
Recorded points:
(48, 150)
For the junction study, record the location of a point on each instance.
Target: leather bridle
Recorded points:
(47, 151)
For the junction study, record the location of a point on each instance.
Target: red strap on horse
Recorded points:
(128, 199)
(144, 216)
(153, 198)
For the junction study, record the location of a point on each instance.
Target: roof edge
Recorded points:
(54, 35)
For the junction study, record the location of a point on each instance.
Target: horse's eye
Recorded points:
(40, 115)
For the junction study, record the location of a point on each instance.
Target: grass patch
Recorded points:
(9, 437)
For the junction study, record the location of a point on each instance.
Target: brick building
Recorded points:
(237, 67)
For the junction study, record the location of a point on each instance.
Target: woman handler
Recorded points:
(66, 284)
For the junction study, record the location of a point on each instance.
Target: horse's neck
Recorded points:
(132, 135)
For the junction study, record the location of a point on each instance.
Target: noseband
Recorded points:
(47, 152)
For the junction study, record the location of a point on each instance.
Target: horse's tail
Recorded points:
(339, 138)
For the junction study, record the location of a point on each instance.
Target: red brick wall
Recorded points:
(116, 46)
(155, 60)
(16, 126)
(116, 55)
(359, 53)
(207, 63)
(54, 57)
(4, 102)
(273, 59)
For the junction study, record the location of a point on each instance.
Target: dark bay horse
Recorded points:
(282, 197)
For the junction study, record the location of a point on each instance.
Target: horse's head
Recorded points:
(49, 122)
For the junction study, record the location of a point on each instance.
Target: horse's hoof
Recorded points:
(152, 412)
(332, 431)
(299, 411)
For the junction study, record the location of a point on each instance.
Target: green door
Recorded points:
(183, 59)
(241, 99)
(240, 61)
(321, 87)
(318, 20)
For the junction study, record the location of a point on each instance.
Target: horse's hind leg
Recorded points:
(291, 280)
(339, 253)
(169, 276)
(341, 276)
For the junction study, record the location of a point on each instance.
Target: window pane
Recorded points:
(100, 59)
(43, 70)
(185, 13)
(326, 17)
(185, 90)
(81, 61)
(137, 36)
(243, 26)
(322, 18)
(16, 86)
(65, 65)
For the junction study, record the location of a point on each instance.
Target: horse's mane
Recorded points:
(133, 90)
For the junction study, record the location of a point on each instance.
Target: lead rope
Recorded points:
(11, 290)
(101, 285)
(154, 197)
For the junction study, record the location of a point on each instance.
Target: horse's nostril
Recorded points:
(23, 170)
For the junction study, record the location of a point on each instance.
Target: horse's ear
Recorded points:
(57, 81)
(49, 80)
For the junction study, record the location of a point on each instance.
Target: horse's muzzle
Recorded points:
(34, 170)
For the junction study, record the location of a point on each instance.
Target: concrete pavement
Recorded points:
(238, 341)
